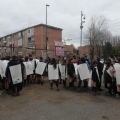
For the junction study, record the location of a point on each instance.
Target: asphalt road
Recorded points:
(40, 103)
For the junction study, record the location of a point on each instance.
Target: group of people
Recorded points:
(107, 71)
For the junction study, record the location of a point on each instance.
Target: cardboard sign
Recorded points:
(83, 71)
(52, 73)
(28, 67)
(16, 73)
(4, 64)
(40, 68)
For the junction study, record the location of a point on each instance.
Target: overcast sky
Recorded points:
(65, 14)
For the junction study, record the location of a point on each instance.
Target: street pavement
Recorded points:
(38, 102)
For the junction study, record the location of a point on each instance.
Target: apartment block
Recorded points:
(31, 40)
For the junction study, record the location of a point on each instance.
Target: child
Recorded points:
(53, 62)
(108, 75)
(41, 77)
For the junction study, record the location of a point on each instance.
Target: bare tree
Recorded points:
(97, 34)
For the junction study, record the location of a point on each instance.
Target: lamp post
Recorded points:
(46, 30)
(82, 17)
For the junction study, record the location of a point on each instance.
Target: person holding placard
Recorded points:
(82, 63)
(54, 65)
(40, 77)
(13, 62)
(71, 73)
(33, 76)
(108, 75)
(27, 78)
(20, 59)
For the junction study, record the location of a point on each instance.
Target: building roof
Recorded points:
(34, 26)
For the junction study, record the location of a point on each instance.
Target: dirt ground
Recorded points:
(38, 102)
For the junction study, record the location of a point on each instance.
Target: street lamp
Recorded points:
(46, 29)
(82, 17)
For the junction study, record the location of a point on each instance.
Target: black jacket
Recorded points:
(100, 68)
(71, 69)
(94, 75)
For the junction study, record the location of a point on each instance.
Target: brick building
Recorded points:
(86, 50)
(31, 40)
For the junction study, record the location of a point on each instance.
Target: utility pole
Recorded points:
(46, 30)
(81, 26)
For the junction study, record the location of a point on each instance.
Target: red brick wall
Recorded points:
(40, 39)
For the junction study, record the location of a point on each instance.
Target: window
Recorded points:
(10, 39)
(29, 31)
(31, 39)
(20, 34)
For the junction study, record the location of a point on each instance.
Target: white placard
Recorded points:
(16, 74)
(28, 67)
(33, 63)
(75, 66)
(40, 68)
(83, 71)
(117, 71)
(52, 73)
(63, 71)
(4, 64)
